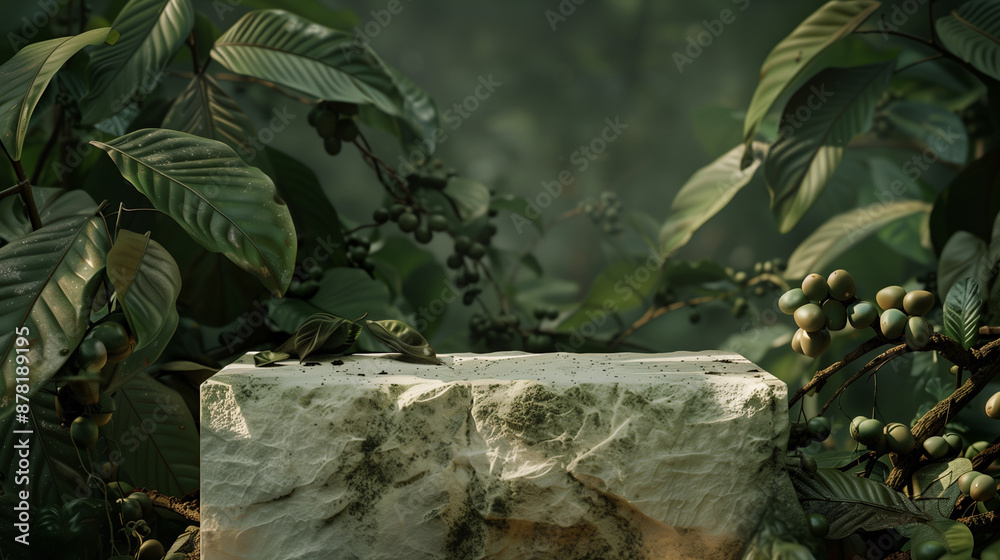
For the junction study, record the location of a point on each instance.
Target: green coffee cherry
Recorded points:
(151, 549)
(975, 449)
(928, 550)
(819, 526)
(965, 481)
(861, 314)
(918, 302)
(954, 370)
(899, 438)
(936, 447)
(408, 222)
(396, 210)
(836, 314)
(983, 488)
(115, 338)
(890, 297)
(381, 216)
(993, 406)
(118, 490)
(819, 428)
(469, 297)
(91, 354)
(809, 464)
(918, 332)
(792, 300)
(893, 323)
(871, 433)
(130, 509)
(423, 234)
(810, 317)
(143, 500)
(797, 341)
(954, 442)
(815, 287)
(326, 124)
(462, 244)
(855, 424)
(455, 261)
(438, 222)
(314, 114)
(476, 251)
(815, 343)
(841, 285)
(83, 432)
(332, 145)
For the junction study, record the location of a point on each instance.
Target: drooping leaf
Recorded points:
(120, 74)
(955, 536)
(792, 55)
(419, 125)
(959, 259)
(936, 485)
(707, 192)
(621, 287)
(350, 292)
(521, 211)
(147, 282)
(471, 199)
(843, 231)
(288, 50)
(206, 110)
(312, 10)
(972, 32)
(851, 503)
(268, 357)
(971, 202)
(47, 281)
(313, 213)
(322, 333)
(52, 203)
(157, 437)
(933, 125)
(25, 77)
(224, 204)
(962, 308)
(820, 119)
(405, 339)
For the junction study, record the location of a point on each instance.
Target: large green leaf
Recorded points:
(322, 333)
(224, 204)
(204, 109)
(843, 231)
(311, 210)
(973, 33)
(52, 203)
(312, 10)
(471, 199)
(851, 503)
(935, 126)
(707, 192)
(792, 55)
(971, 202)
(151, 32)
(405, 339)
(157, 437)
(962, 308)
(47, 282)
(955, 536)
(621, 287)
(350, 292)
(419, 125)
(286, 49)
(144, 356)
(24, 77)
(147, 282)
(959, 259)
(820, 119)
(936, 485)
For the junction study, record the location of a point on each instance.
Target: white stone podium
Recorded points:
(492, 456)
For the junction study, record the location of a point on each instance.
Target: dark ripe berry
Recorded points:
(395, 211)
(455, 261)
(83, 432)
(462, 244)
(326, 124)
(890, 297)
(918, 302)
(694, 317)
(841, 285)
(471, 277)
(130, 509)
(332, 146)
(314, 114)
(344, 108)
(819, 428)
(469, 297)
(893, 323)
(358, 254)
(809, 464)
(815, 287)
(408, 222)
(381, 216)
(792, 300)
(836, 315)
(819, 526)
(115, 338)
(423, 234)
(438, 222)
(476, 251)
(347, 130)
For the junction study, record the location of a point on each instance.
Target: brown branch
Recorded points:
(187, 507)
(988, 522)
(874, 364)
(989, 331)
(821, 376)
(986, 457)
(26, 196)
(655, 312)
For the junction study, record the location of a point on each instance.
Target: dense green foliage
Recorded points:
(877, 148)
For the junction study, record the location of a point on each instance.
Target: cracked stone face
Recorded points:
(492, 456)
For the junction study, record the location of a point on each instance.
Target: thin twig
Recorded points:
(272, 85)
(656, 312)
(916, 62)
(821, 376)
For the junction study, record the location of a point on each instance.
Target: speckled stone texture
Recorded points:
(504, 456)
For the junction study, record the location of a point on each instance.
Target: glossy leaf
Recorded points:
(25, 77)
(620, 287)
(224, 204)
(268, 357)
(972, 32)
(851, 503)
(157, 436)
(820, 119)
(53, 204)
(471, 199)
(146, 280)
(955, 536)
(286, 49)
(313, 213)
(419, 125)
(322, 333)
(205, 110)
(959, 259)
(962, 308)
(405, 339)
(143, 356)
(936, 485)
(933, 125)
(971, 202)
(843, 231)
(47, 281)
(120, 74)
(789, 59)
(312, 10)
(350, 292)
(707, 192)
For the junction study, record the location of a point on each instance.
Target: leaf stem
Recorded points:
(24, 188)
